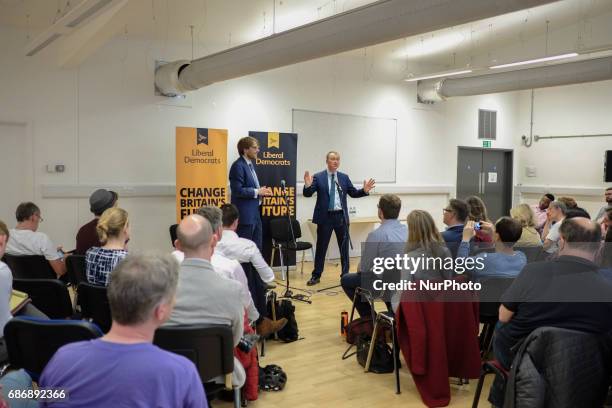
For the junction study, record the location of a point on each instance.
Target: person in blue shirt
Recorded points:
(387, 240)
(504, 262)
(454, 217)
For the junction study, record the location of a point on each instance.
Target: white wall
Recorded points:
(567, 166)
(104, 123)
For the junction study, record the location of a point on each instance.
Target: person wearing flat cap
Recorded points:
(87, 236)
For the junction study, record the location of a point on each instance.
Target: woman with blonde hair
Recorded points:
(524, 214)
(114, 232)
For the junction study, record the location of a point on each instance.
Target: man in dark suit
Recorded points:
(455, 216)
(331, 213)
(246, 192)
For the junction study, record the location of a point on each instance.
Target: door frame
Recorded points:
(509, 156)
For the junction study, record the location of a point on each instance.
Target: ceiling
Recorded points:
(214, 25)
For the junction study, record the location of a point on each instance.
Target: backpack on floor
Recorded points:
(284, 308)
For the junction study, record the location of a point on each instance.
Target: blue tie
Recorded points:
(254, 175)
(332, 194)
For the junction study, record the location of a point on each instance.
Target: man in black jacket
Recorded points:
(567, 293)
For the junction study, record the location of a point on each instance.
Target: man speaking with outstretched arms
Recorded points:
(331, 213)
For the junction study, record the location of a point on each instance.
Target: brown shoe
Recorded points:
(268, 326)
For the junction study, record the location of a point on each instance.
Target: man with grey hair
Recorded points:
(123, 368)
(555, 214)
(203, 296)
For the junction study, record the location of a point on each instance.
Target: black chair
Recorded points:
(489, 295)
(533, 253)
(50, 296)
(94, 305)
(76, 269)
(209, 346)
(31, 342)
(172, 229)
(283, 240)
(30, 267)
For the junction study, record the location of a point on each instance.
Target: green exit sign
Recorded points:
(486, 143)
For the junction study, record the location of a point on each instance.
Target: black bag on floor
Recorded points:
(284, 308)
(382, 356)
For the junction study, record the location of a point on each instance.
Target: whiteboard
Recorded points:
(367, 145)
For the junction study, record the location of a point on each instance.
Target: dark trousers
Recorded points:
(336, 224)
(252, 232)
(350, 282)
(502, 347)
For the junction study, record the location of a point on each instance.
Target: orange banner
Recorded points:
(201, 169)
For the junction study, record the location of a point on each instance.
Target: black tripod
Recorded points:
(347, 235)
(288, 293)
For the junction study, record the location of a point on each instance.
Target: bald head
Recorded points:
(194, 233)
(581, 234)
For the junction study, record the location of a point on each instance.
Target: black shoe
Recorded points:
(313, 281)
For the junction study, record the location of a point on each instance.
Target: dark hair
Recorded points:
(246, 143)
(390, 205)
(460, 208)
(581, 237)
(4, 230)
(577, 212)
(477, 208)
(509, 230)
(230, 214)
(609, 188)
(549, 196)
(26, 210)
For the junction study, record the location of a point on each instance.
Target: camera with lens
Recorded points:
(247, 342)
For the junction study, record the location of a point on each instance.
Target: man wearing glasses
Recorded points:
(26, 240)
(455, 215)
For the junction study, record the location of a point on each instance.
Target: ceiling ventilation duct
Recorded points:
(375, 23)
(598, 69)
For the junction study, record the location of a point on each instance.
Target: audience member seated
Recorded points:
(550, 235)
(529, 236)
(388, 240)
(539, 211)
(123, 368)
(203, 296)
(606, 251)
(478, 213)
(455, 215)
(26, 240)
(87, 237)
(567, 292)
(504, 262)
(602, 211)
(114, 232)
(6, 285)
(424, 241)
(241, 249)
(570, 202)
(577, 212)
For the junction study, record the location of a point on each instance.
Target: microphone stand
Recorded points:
(346, 236)
(288, 293)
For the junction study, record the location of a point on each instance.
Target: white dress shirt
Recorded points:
(243, 250)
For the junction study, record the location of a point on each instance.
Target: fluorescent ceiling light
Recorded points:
(534, 61)
(438, 75)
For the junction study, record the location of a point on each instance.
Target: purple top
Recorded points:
(98, 373)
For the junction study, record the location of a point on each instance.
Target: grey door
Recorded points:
(486, 173)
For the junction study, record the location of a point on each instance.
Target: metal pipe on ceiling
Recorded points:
(598, 69)
(375, 23)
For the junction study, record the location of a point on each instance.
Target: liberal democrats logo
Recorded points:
(202, 136)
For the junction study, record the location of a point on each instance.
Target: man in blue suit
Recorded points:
(331, 213)
(246, 192)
